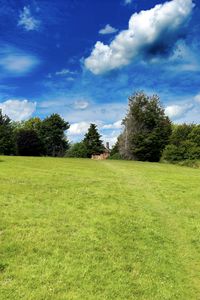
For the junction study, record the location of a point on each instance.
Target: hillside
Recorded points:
(83, 229)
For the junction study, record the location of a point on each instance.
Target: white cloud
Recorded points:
(126, 2)
(18, 110)
(154, 29)
(78, 128)
(16, 62)
(115, 125)
(110, 137)
(27, 21)
(77, 131)
(64, 72)
(81, 104)
(197, 98)
(176, 111)
(108, 30)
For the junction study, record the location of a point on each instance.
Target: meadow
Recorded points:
(83, 229)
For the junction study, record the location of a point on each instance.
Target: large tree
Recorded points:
(52, 133)
(93, 142)
(28, 142)
(146, 129)
(6, 135)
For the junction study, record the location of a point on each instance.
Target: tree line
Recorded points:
(147, 135)
(34, 137)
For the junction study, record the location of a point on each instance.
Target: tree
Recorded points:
(114, 153)
(6, 135)
(52, 133)
(184, 143)
(92, 141)
(146, 129)
(77, 150)
(28, 143)
(33, 123)
(180, 133)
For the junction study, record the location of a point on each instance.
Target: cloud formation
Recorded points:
(108, 29)
(78, 128)
(64, 72)
(150, 33)
(27, 21)
(16, 62)
(197, 98)
(18, 110)
(175, 111)
(115, 125)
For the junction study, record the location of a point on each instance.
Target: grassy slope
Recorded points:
(83, 229)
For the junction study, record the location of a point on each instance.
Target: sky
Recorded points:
(84, 58)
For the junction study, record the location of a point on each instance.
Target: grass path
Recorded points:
(83, 229)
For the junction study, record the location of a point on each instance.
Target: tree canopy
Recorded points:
(146, 129)
(93, 142)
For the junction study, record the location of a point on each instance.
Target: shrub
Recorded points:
(77, 150)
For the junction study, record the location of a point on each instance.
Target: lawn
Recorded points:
(83, 229)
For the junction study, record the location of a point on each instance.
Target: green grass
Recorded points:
(83, 229)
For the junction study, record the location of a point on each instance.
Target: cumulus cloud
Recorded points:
(108, 29)
(78, 128)
(197, 98)
(16, 62)
(176, 111)
(18, 110)
(115, 125)
(27, 21)
(150, 32)
(110, 137)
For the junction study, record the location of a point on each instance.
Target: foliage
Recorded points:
(184, 143)
(6, 135)
(33, 124)
(83, 229)
(52, 133)
(114, 153)
(190, 163)
(77, 150)
(28, 143)
(92, 141)
(147, 129)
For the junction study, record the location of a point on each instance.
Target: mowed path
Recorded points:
(83, 229)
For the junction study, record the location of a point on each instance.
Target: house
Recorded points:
(103, 155)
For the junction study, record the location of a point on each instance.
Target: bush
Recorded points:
(186, 150)
(116, 156)
(190, 163)
(78, 150)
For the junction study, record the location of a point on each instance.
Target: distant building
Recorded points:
(103, 155)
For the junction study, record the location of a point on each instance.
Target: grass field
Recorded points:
(83, 229)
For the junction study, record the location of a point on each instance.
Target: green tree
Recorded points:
(194, 135)
(184, 143)
(52, 133)
(6, 135)
(28, 143)
(33, 124)
(77, 150)
(93, 142)
(146, 129)
(180, 133)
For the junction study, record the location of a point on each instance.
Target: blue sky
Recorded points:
(83, 58)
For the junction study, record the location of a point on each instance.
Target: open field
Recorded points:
(83, 229)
